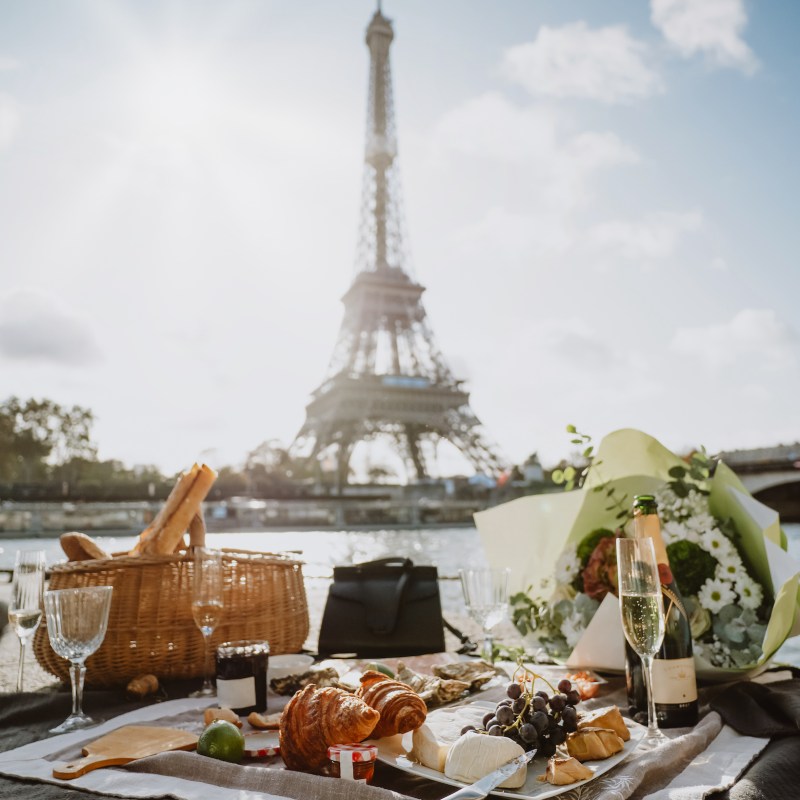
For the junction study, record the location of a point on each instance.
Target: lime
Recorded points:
(222, 740)
(377, 666)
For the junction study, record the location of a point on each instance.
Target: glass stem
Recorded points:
(488, 647)
(652, 720)
(77, 673)
(21, 663)
(206, 662)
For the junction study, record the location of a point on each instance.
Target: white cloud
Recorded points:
(757, 335)
(653, 238)
(605, 64)
(711, 27)
(9, 119)
(34, 329)
(551, 163)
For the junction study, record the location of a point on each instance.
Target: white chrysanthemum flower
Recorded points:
(567, 566)
(701, 523)
(750, 593)
(730, 566)
(572, 629)
(716, 543)
(673, 532)
(714, 594)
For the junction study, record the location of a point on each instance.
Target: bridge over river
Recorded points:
(772, 475)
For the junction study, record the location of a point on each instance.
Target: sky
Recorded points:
(600, 199)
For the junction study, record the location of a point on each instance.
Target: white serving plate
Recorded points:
(394, 751)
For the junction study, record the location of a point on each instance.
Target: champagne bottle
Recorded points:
(674, 681)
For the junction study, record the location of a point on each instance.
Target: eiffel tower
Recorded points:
(386, 375)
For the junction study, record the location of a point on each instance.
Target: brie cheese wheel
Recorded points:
(427, 749)
(475, 755)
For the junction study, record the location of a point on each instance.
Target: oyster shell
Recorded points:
(432, 689)
(290, 684)
(475, 673)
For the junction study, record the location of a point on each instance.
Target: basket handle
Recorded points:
(197, 530)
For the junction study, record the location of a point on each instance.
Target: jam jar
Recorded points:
(354, 762)
(242, 676)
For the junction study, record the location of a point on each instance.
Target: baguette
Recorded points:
(176, 497)
(165, 540)
(197, 530)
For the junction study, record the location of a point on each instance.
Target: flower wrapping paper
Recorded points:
(530, 533)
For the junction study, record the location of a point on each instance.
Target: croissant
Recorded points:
(316, 718)
(591, 744)
(605, 718)
(401, 709)
(563, 771)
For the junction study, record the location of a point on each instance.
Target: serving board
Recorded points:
(124, 745)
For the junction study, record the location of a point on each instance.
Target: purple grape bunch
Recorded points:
(535, 720)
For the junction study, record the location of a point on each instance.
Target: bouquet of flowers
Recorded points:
(726, 551)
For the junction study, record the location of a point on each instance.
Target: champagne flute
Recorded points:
(486, 596)
(25, 610)
(77, 620)
(642, 613)
(207, 605)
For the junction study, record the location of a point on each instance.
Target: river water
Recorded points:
(448, 548)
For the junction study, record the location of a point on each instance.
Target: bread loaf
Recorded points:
(80, 547)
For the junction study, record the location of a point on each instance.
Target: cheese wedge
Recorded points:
(474, 755)
(563, 771)
(427, 749)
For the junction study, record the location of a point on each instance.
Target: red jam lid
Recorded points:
(355, 750)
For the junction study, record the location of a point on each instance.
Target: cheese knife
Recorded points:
(491, 781)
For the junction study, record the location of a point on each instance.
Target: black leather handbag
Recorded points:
(388, 607)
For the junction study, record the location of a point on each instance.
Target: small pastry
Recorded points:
(609, 717)
(141, 686)
(563, 771)
(401, 709)
(265, 722)
(210, 714)
(591, 744)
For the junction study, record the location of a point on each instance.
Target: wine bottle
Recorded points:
(674, 681)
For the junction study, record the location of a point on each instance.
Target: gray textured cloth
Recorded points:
(281, 782)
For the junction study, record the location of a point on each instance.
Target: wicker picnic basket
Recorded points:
(150, 625)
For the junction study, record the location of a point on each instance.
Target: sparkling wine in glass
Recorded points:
(642, 615)
(486, 597)
(25, 609)
(207, 607)
(77, 620)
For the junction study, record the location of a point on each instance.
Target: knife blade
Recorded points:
(491, 781)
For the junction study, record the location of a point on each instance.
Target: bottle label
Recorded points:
(237, 693)
(674, 681)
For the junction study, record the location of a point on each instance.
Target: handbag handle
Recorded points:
(406, 563)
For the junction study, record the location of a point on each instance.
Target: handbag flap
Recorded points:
(382, 591)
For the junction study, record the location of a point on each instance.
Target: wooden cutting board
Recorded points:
(124, 745)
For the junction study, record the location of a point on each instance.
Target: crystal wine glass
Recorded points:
(25, 610)
(76, 624)
(486, 596)
(207, 605)
(642, 615)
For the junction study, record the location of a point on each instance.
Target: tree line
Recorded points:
(47, 453)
